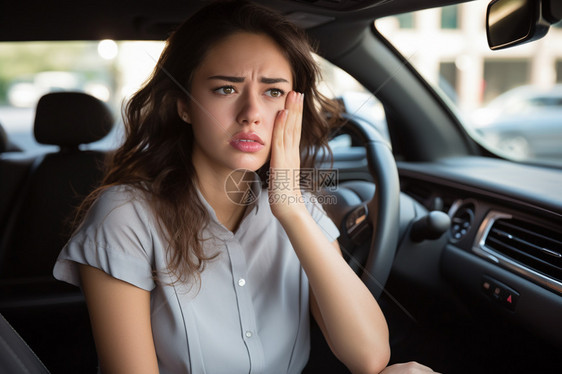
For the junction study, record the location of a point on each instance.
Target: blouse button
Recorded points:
(249, 334)
(241, 282)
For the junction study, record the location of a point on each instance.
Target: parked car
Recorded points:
(460, 244)
(525, 122)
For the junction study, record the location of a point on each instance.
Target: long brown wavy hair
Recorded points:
(156, 154)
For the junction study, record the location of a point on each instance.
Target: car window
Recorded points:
(510, 100)
(108, 70)
(112, 71)
(357, 101)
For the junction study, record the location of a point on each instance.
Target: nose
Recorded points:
(249, 112)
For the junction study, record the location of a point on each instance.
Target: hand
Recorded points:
(407, 368)
(284, 190)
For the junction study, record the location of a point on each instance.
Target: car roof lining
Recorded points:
(36, 20)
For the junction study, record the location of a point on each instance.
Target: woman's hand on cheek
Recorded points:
(284, 191)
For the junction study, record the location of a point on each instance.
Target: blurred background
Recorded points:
(509, 100)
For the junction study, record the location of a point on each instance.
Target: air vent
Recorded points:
(528, 248)
(461, 220)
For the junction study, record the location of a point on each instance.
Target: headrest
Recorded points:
(70, 119)
(3, 140)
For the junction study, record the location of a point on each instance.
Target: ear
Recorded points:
(182, 110)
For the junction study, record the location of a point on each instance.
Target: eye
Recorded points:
(225, 90)
(275, 92)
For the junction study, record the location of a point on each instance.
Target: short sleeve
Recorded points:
(115, 237)
(321, 217)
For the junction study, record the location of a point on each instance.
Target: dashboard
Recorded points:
(504, 246)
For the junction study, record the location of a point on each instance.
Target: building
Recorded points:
(449, 46)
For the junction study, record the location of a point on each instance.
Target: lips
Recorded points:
(247, 142)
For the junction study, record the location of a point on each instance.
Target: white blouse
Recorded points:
(251, 311)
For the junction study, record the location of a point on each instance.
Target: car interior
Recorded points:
(460, 243)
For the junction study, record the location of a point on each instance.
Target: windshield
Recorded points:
(510, 101)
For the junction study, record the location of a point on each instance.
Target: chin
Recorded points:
(254, 164)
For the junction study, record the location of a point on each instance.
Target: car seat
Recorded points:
(12, 174)
(45, 311)
(4, 143)
(15, 355)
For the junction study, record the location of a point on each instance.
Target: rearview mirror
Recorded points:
(513, 22)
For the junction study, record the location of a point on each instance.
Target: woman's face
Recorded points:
(236, 93)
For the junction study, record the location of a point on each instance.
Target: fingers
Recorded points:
(287, 129)
(294, 104)
(279, 129)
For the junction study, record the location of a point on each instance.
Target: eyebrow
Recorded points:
(241, 79)
(273, 80)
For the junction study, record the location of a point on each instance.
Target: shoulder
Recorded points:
(119, 212)
(120, 195)
(119, 202)
(117, 236)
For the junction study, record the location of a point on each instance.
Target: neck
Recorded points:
(228, 210)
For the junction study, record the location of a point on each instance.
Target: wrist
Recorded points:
(294, 211)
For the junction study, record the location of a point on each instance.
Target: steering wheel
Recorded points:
(379, 217)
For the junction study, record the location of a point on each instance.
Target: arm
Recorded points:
(345, 310)
(120, 317)
(343, 307)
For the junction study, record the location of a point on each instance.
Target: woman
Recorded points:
(183, 269)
